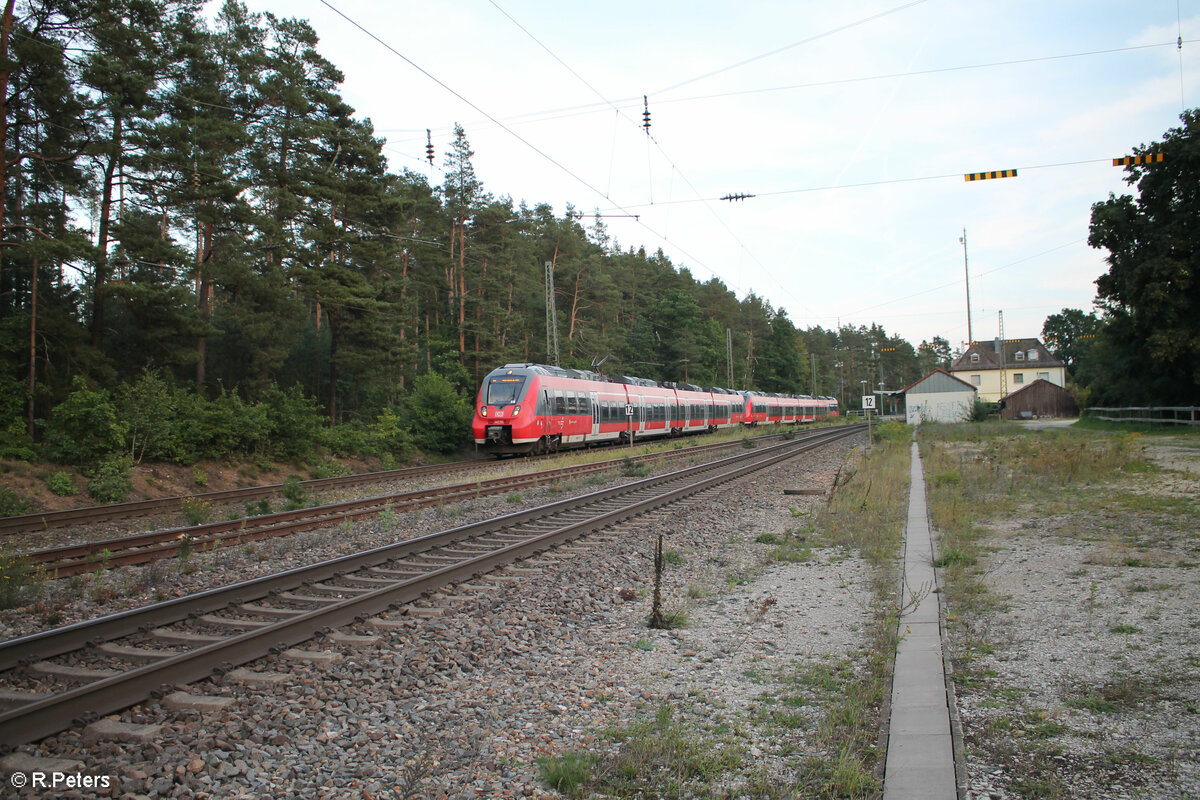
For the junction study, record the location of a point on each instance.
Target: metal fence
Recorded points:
(1168, 415)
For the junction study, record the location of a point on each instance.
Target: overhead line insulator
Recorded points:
(646, 114)
(429, 146)
(740, 196)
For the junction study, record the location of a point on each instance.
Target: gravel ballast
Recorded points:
(462, 696)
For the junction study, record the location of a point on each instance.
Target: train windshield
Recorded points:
(504, 390)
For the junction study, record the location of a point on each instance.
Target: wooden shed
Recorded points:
(1039, 399)
(938, 397)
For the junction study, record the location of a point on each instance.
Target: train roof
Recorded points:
(588, 375)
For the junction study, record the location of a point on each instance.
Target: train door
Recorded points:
(595, 413)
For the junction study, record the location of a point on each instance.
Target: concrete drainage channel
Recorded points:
(920, 749)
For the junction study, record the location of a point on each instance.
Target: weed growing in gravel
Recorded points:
(195, 510)
(634, 469)
(19, 580)
(387, 516)
(663, 756)
(294, 494)
(792, 548)
(259, 507)
(566, 773)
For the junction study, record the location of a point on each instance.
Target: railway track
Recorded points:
(124, 658)
(75, 559)
(46, 520)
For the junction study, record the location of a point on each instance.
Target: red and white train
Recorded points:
(533, 408)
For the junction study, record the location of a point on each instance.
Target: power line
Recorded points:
(631, 103)
(918, 73)
(867, 184)
(791, 46)
(510, 131)
(645, 126)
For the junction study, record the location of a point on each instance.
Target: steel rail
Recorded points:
(141, 548)
(45, 520)
(59, 711)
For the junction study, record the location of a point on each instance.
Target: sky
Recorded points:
(852, 124)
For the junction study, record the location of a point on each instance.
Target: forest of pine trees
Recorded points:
(204, 252)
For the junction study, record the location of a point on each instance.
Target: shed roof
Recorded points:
(937, 382)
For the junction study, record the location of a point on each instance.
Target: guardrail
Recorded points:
(1166, 415)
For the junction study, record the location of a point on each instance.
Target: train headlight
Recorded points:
(483, 411)
(516, 410)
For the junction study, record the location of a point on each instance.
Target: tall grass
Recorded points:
(866, 513)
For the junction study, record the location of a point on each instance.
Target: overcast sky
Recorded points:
(853, 123)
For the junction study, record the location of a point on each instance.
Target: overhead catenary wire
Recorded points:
(865, 184)
(791, 46)
(674, 168)
(546, 156)
(633, 102)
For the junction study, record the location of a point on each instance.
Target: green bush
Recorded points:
(439, 417)
(15, 442)
(391, 436)
(14, 439)
(11, 503)
(148, 407)
(293, 422)
(981, 410)
(112, 480)
(893, 431)
(85, 427)
(62, 484)
(229, 425)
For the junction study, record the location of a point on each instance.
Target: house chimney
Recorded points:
(996, 344)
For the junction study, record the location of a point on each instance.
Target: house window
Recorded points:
(1018, 377)
(974, 358)
(1019, 356)
(976, 380)
(1043, 376)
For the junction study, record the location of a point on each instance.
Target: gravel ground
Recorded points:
(1091, 688)
(460, 699)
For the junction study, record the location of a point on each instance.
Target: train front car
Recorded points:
(504, 422)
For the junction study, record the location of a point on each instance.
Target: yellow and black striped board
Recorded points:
(983, 176)
(1149, 158)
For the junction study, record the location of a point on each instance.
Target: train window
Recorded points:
(504, 391)
(543, 404)
(560, 402)
(572, 403)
